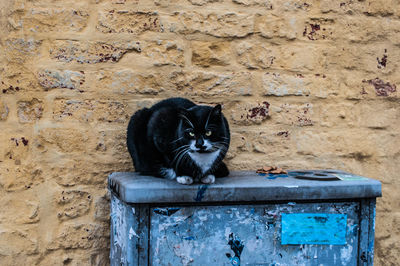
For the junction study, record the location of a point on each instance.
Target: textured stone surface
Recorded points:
(304, 84)
(3, 111)
(126, 21)
(50, 79)
(207, 54)
(221, 24)
(89, 52)
(30, 111)
(48, 20)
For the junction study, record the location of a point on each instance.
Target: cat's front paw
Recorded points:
(186, 180)
(208, 179)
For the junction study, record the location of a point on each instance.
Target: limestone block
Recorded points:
(201, 83)
(65, 140)
(125, 21)
(207, 54)
(301, 57)
(294, 6)
(346, 114)
(162, 53)
(15, 242)
(20, 177)
(203, 2)
(3, 111)
(382, 8)
(90, 52)
(24, 211)
(71, 173)
(218, 24)
(368, 29)
(50, 20)
(293, 114)
(128, 81)
(276, 84)
(268, 4)
(30, 111)
(320, 28)
(275, 142)
(255, 56)
(15, 78)
(239, 144)
(102, 208)
(19, 50)
(271, 26)
(50, 79)
(90, 111)
(73, 204)
(81, 236)
(132, 82)
(250, 113)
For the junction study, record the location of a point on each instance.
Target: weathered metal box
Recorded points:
(302, 218)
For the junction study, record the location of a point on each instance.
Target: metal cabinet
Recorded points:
(244, 219)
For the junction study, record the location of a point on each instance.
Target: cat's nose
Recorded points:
(200, 144)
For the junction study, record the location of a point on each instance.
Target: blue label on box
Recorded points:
(313, 228)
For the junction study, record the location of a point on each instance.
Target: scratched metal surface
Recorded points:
(124, 227)
(240, 186)
(244, 235)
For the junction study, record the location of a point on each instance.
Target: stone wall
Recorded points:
(304, 84)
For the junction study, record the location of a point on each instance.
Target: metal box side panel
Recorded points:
(244, 235)
(124, 237)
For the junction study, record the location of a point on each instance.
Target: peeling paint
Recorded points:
(200, 236)
(132, 233)
(166, 211)
(237, 247)
(200, 193)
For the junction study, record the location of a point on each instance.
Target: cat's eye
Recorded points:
(208, 133)
(191, 134)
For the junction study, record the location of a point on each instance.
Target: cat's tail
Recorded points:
(136, 133)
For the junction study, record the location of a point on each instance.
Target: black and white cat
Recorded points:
(177, 139)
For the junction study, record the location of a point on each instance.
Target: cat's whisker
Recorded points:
(176, 140)
(181, 147)
(181, 157)
(178, 154)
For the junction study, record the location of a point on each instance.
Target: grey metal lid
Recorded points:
(246, 186)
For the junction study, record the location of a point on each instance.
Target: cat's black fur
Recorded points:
(164, 138)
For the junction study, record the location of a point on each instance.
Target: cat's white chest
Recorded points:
(204, 160)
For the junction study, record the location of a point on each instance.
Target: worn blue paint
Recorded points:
(189, 238)
(314, 228)
(166, 211)
(200, 193)
(237, 247)
(273, 176)
(350, 177)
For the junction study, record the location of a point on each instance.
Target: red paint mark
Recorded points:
(283, 133)
(24, 141)
(311, 35)
(381, 88)
(259, 111)
(383, 61)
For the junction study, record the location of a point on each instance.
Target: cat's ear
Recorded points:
(215, 114)
(216, 111)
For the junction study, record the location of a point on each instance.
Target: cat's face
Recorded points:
(203, 129)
